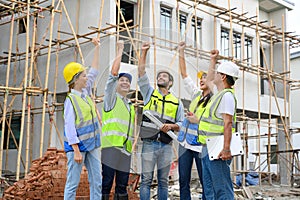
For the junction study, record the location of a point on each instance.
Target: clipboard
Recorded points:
(215, 145)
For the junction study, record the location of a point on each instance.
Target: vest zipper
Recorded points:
(128, 129)
(92, 119)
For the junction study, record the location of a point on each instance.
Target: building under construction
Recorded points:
(39, 37)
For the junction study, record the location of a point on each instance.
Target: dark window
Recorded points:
(15, 127)
(22, 25)
(273, 155)
(127, 10)
(182, 22)
(165, 24)
(225, 43)
(248, 49)
(237, 45)
(196, 31)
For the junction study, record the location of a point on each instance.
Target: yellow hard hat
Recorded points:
(71, 69)
(200, 74)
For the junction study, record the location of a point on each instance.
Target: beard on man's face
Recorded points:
(163, 85)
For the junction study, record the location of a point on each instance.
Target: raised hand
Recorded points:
(145, 46)
(214, 54)
(96, 41)
(181, 46)
(120, 45)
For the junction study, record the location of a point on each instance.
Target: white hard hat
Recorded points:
(229, 68)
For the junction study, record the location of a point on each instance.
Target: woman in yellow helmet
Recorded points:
(82, 128)
(190, 149)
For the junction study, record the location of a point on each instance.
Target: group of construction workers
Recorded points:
(212, 113)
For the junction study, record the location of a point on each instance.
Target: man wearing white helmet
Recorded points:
(157, 147)
(219, 118)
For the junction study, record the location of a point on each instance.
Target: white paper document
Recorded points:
(215, 145)
(159, 124)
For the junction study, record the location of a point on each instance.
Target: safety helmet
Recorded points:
(201, 73)
(229, 68)
(127, 75)
(165, 71)
(71, 69)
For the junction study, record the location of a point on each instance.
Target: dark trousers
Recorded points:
(185, 162)
(115, 165)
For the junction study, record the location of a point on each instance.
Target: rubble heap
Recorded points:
(46, 179)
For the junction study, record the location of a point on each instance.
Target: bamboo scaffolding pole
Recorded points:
(6, 95)
(244, 157)
(7, 142)
(232, 55)
(276, 100)
(13, 137)
(284, 71)
(270, 110)
(178, 39)
(135, 130)
(29, 97)
(24, 94)
(154, 42)
(136, 133)
(51, 111)
(72, 29)
(47, 77)
(96, 83)
(258, 96)
(127, 29)
(197, 42)
(118, 3)
(231, 31)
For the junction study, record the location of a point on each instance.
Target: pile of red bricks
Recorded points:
(46, 179)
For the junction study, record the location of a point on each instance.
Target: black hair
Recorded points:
(230, 81)
(204, 99)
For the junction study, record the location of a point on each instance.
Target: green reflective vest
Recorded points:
(165, 109)
(118, 126)
(194, 104)
(210, 125)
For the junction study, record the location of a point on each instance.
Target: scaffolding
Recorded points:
(32, 87)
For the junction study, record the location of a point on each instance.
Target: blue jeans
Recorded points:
(91, 160)
(160, 154)
(115, 164)
(185, 162)
(216, 175)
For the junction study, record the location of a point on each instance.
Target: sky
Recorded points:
(293, 23)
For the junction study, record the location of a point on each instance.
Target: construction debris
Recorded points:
(46, 179)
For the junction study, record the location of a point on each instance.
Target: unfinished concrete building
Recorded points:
(39, 37)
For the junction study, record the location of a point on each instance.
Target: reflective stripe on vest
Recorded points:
(164, 108)
(210, 124)
(189, 131)
(86, 124)
(118, 126)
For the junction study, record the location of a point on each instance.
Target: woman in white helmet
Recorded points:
(82, 128)
(219, 118)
